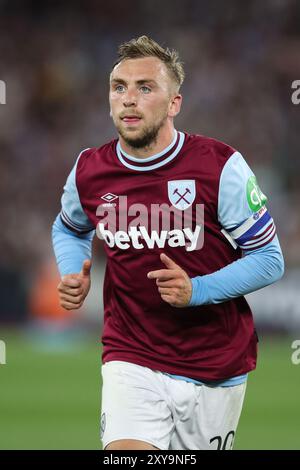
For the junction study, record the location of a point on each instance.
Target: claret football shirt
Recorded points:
(197, 201)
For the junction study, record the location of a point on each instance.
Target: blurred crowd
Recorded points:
(240, 59)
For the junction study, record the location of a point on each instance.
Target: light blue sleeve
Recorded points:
(245, 223)
(72, 231)
(256, 270)
(72, 213)
(70, 248)
(233, 207)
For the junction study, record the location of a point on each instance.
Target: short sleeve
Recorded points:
(242, 210)
(72, 213)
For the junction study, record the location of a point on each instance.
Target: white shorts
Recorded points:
(171, 414)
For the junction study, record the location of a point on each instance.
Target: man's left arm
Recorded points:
(247, 223)
(245, 219)
(257, 269)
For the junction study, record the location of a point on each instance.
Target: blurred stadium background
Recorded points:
(240, 60)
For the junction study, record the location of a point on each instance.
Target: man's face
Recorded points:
(141, 95)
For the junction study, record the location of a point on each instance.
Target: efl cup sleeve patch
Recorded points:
(255, 232)
(255, 197)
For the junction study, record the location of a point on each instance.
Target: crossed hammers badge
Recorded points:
(181, 193)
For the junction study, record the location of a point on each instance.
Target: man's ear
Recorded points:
(175, 105)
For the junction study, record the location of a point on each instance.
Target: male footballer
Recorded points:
(187, 234)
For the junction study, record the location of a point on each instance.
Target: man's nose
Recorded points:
(130, 99)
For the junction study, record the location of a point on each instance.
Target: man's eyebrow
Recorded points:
(139, 82)
(146, 80)
(118, 80)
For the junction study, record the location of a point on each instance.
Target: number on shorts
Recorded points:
(224, 445)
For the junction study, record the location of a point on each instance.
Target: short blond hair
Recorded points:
(144, 46)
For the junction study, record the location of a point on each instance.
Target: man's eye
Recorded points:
(119, 88)
(145, 89)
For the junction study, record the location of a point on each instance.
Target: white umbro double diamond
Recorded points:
(108, 197)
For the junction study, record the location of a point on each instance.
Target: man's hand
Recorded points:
(174, 285)
(74, 288)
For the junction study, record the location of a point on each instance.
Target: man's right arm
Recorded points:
(70, 248)
(72, 235)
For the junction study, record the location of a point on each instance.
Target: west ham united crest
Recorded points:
(182, 193)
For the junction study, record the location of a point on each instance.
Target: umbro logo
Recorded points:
(109, 197)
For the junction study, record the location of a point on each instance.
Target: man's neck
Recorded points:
(163, 140)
